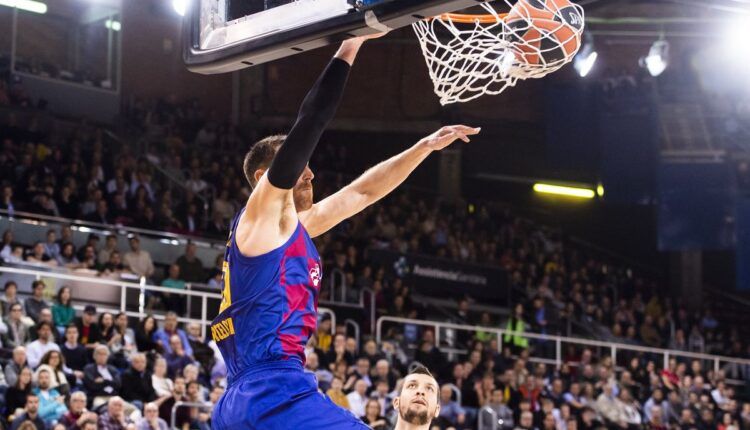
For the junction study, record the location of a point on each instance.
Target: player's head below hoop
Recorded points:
(418, 401)
(259, 159)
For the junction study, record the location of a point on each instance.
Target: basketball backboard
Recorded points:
(226, 35)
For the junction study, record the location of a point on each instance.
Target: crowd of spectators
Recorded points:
(560, 285)
(99, 369)
(102, 370)
(500, 382)
(556, 284)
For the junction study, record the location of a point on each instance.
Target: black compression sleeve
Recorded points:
(316, 112)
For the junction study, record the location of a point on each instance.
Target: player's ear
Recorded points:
(437, 410)
(258, 174)
(395, 403)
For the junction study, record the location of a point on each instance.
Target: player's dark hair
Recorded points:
(260, 156)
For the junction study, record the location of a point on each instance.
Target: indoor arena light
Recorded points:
(114, 25)
(27, 5)
(561, 190)
(180, 6)
(657, 59)
(585, 60)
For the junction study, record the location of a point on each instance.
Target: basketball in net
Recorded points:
(469, 55)
(545, 31)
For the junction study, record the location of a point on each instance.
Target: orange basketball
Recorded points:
(546, 31)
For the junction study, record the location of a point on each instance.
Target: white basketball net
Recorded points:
(468, 60)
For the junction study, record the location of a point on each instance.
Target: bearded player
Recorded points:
(272, 271)
(417, 402)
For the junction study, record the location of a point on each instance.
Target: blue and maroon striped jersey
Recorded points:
(269, 302)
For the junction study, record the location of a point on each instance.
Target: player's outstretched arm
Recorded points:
(269, 224)
(378, 181)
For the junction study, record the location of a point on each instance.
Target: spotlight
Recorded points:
(114, 25)
(180, 6)
(27, 5)
(657, 59)
(561, 190)
(586, 59)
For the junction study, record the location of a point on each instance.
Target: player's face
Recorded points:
(303, 190)
(418, 402)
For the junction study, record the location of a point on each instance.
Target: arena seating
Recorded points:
(644, 369)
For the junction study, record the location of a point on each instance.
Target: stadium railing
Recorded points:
(84, 294)
(615, 349)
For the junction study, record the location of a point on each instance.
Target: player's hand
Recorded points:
(362, 39)
(447, 135)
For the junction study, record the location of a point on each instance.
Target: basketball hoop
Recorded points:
(469, 55)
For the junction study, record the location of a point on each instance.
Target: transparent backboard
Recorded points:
(226, 35)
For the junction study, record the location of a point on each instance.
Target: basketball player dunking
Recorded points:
(272, 271)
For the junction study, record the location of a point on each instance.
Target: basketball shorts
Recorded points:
(279, 396)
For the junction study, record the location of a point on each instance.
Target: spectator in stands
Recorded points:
(101, 214)
(384, 373)
(6, 200)
(122, 343)
(162, 336)
(656, 399)
(102, 381)
(51, 247)
(88, 330)
(106, 328)
(45, 343)
(515, 327)
(655, 420)
(498, 404)
(450, 411)
(336, 393)
(77, 413)
(190, 266)
(362, 372)
(54, 363)
(151, 420)
(202, 352)
(62, 311)
(113, 266)
(18, 331)
(45, 315)
(372, 416)
(144, 335)
(51, 402)
(428, 353)
(173, 302)
(177, 359)
(137, 260)
(67, 258)
(15, 365)
(114, 418)
(6, 247)
(36, 302)
(137, 384)
(323, 334)
(160, 381)
(30, 413)
(110, 245)
(358, 398)
(38, 256)
(15, 396)
(76, 355)
(177, 395)
(526, 421)
(10, 297)
(610, 407)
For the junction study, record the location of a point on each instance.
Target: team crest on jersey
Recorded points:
(315, 275)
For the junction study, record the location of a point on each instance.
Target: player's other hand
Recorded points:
(362, 39)
(447, 135)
